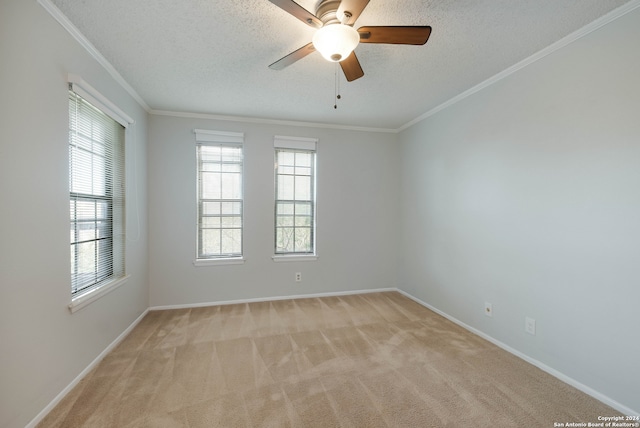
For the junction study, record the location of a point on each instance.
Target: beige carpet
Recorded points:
(370, 360)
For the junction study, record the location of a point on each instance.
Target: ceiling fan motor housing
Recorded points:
(327, 11)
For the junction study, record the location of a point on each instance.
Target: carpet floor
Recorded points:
(369, 360)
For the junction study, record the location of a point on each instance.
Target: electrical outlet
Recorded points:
(298, 276)
(530, 325)
(488, 309)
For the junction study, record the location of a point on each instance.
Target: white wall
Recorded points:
(357, 212)
(43, 347)
(526, 195)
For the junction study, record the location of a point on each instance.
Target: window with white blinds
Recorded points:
(97, 193)
(220, 194)
(295, 188)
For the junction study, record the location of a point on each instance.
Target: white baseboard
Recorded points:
(84, 372)
(119, 339)
(550, 370)
(271, 299)
(553, 372)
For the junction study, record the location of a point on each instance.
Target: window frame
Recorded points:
(81, 93)
(218, 139)
(296, 145)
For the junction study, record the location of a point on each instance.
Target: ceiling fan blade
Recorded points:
(299, 12)
(351, 68)
(395, 35)
(293, 57)
(353, 7)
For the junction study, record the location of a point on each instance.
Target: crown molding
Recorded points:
(587, 29)
(269, 121)
(91, 49)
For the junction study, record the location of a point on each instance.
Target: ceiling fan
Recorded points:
(336, 38)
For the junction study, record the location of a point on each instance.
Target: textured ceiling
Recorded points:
(211, 56)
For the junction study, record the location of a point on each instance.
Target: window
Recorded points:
(96, 190)
(295, 204)
(220, 189)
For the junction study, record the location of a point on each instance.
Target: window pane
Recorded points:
(304, 221)
(304, 159)
(285, 187)
(210, 185)
(231, 222)
(210, 208)
(219, 200)
(86, 257)
(96, 188)
(285, 208)
(287, 170)
(210, 154)
(210, 241)
(99, 148)
(284, 220)
(303, 208)
(211, 167)
(98, 132)
(80, 166)
(102, 209)
(303, 240)
(98, 178)
(232, 208)
(210, 222)
(231, 241)
(284, 239)
(302, 188)
(104, 250)
(285, 158)
(231, 186)
(104, 229)
(231, 167)
(294, 221)
(231, 154)
(302, 171)
(77, 140)
(85, 210)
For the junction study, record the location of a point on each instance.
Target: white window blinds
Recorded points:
(96, 189)
(295, 188)
(220, 194)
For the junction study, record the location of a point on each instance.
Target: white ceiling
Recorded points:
(211, 56)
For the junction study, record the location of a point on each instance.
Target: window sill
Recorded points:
(89, 297)
(296, 258)
(218, 262)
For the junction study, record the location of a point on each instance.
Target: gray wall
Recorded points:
(43, 347)
(526, 195)
(357, 206)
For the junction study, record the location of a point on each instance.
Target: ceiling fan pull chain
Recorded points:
(336, 87)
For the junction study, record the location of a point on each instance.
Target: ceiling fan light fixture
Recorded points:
(335, 42)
